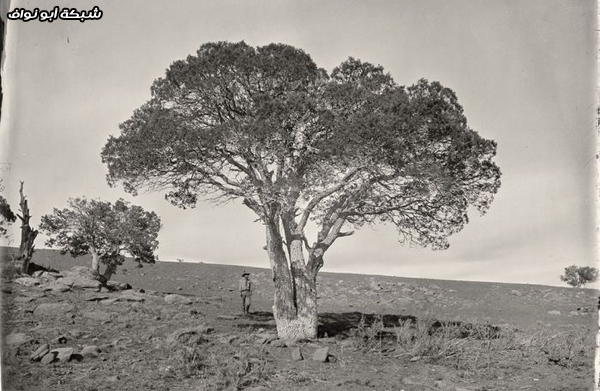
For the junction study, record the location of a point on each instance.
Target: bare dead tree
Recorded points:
(28, 234)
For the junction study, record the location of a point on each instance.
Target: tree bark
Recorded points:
(28, 234)
(95, 261)
(295, 302)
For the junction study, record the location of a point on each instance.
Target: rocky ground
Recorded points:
(180, 328)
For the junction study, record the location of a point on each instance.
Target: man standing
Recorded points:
(245, 292)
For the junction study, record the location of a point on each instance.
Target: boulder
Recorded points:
(56, 286)
(321, 354)
(118, 286)
(49, 358)
(100, 316)
(297, 354)
(27, 281)
(40, 352)
(189, 336)
(52, 309)
(554, 312)
(16, 339)
(91, 351)
(63, 354)
(131, 296)
(177, 299)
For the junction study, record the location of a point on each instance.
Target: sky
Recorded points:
(523, 70)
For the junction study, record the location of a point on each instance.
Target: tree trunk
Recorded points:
(28, 234)
(295, 303)
(95, 262)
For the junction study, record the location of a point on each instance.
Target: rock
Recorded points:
(75, 333)
(23, 299)
(131, 296)
(416, 358)
(119, 286)
(515, 292)
(321, 354)
(97, 315)
(109, 301)
(112, 379)
(16, 339)
(188, 336)
(278, 343)
(40, 352)
(297, 354)
(554, 312)
(96, 297)
(61, 339)
(90, 351)
(443, 384)
(573, 313)
(27, 281)
(177, 299)
(49, 358)
(63, 354)
(56, 286)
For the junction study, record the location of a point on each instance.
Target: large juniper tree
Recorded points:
(267, 126)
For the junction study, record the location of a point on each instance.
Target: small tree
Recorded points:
(108, 232)
(7, 216)
(578, 276)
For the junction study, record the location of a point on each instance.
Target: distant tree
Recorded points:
(268, 127)
(108, 232)
(578, 276)
(7, 216)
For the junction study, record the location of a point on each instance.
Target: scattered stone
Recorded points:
(51, 309)
(416, 358)
(442, 384)
(56, 286)
(109, 301)
(40, 352)
(554, 312)
(574, 313)
(119, 286)
(27, 281)
(49, 358)
(278, 343)
(188, 336)
(90, 351)
(227, 317)
(96, 297)
(297, 354)
(321, 354)
(177, 299)
(75, 333)
(63, 354)
(97, 315)
(131, 296)
(61, 339)
(24, 299)
(112, 379)
(17, 339)
(515, 292)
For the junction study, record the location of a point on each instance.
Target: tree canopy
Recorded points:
(107, 231)
(267, 126)
(578, 276)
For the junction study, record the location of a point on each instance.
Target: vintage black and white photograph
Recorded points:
(299, 195)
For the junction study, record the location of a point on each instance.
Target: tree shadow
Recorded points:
(343, 325)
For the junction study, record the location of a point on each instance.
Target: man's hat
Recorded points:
(245, 273)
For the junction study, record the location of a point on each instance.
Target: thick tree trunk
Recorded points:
(95, 262)
(295, 303)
